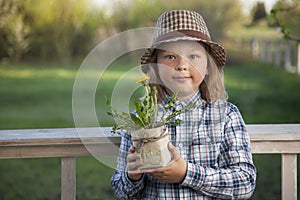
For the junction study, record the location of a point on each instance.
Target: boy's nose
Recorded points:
(181, 64)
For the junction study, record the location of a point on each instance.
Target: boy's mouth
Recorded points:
(181, 78)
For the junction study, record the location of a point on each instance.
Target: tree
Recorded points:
(47, 30)
(60, 26)
(14, 31)
(286, 16)
(220, 16)
(60, 30)
(18, 38)
(258, 12)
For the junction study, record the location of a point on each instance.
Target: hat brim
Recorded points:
(217, 51)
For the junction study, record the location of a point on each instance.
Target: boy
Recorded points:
(211, 154)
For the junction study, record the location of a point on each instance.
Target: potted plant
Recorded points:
(148, 133)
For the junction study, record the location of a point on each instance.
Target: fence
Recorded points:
(66, 144)
(279, 53)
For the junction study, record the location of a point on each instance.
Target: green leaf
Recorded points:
(137, 120)
(141, 113)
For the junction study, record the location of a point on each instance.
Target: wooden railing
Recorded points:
(68, 144)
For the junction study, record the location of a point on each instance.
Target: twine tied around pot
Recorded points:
(141, 141)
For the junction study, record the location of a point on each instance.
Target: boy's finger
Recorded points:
(173, 151)
(134, 166)
(133, 158)
(132, 149)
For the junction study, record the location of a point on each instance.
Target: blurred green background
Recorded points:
(43, 44)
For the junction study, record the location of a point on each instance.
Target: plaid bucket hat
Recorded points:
(178, 25)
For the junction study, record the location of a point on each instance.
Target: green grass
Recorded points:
(263, 93)
(41, 97)
(40, 179)
(35, 98)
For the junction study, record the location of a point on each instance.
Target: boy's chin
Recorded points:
(183, 92)
(182, 95)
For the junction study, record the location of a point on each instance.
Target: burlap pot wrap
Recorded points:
(152, 145)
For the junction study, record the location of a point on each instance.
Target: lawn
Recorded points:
(41, 97)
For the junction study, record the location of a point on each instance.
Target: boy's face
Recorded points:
(182, 66)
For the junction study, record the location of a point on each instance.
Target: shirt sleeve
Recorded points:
(123, 187)
(235, 176)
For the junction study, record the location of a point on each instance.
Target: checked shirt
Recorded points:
(213, 140)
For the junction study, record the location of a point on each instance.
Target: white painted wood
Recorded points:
(289, 176)
(66, 150)
(273, 129)
(275, 147)
(72, 136)
(34, 143)
(73, 142)
(287, 59)
(55, 136)
(68, 178)
(298, 60)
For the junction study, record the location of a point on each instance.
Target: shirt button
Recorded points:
(208, 139)
(180, 145)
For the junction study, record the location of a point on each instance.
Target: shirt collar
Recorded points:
(196, 98)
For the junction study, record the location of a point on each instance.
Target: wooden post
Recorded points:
(254, 48)
(68, 178)
(298, 62)
(277, 56)
(289, 176)
(269, 53)
(262, 51)
(287, 59)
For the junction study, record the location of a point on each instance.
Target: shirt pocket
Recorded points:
(206, 147)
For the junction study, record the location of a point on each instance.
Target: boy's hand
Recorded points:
(133, 162)
(175, 171)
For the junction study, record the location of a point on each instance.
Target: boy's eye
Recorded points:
(170, 57)
(194, 57)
